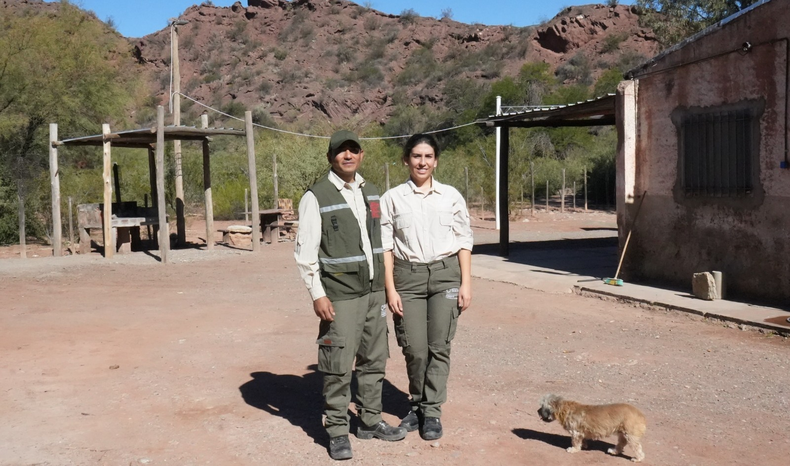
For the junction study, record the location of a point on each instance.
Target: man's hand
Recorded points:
(323, 308)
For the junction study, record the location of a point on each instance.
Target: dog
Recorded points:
(596, 422)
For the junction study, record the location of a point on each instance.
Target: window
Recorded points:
(718, 149)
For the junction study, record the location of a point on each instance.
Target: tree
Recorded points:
(674, 20)
(64, 68)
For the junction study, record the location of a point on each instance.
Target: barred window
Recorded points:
(718, 152)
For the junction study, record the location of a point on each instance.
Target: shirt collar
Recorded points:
(340, 184)
(436, 187)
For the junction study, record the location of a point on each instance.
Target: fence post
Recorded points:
(562, 201)
(71, 228)
(387, 176)
(585, 189)
(532, 176)
(547, 195)
(466, 190)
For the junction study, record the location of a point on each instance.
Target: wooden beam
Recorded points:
(256, 217)
(109, 238)
(164, 234)
(504, 220)
(181, 235)
(54, 179)
(207, 187)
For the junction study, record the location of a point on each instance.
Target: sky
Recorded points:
(137, 18)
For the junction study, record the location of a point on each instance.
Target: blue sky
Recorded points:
(136, 18)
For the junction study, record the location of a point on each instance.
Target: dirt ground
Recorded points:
(211, 360)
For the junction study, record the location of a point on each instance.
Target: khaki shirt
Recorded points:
(308, 237)
(419, 227)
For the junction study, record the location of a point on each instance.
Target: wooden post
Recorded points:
(109, 237)
(547, 195)
(387, 177)
(276, 184)
(504, 232)
(466, 189)
(152, 179)
(71, 228)
(521, 205)
(181, 237)
(207, 187)
(117, 185)
(246, 205)
(585, 189)
(562, 201)
(20, 195)
(256, 216)
(54, 179)
(164, 229)
(532, 175)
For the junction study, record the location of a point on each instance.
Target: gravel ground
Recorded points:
(211, 360)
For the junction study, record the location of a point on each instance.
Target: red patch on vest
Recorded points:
(327, 341)
(375, 209)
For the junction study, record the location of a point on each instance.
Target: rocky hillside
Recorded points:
(309, 60)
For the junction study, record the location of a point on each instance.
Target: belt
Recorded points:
(425, 266)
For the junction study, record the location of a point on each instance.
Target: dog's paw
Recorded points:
(571, 449)
(612, 451)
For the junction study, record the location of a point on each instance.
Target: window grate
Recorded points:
(717, 153)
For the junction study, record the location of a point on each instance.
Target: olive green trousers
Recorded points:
(356, 338)
(429, 293)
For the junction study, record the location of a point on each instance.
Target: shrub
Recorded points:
(612, 42)
(408, 17)
(280, 54)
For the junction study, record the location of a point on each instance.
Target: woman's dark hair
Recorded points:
(420, 139)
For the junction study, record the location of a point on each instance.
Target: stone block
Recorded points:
(703, 286)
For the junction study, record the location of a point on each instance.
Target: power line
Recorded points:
(312, 135)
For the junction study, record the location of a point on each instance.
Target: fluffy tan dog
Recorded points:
(596, 422)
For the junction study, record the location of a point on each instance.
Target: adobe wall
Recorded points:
(748, 239)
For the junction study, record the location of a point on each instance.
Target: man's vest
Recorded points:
(344, 267)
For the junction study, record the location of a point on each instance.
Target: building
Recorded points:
(703, 145)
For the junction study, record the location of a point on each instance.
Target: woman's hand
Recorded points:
(394, 303)
(464, 296)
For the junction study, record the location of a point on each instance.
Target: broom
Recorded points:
(619, 281)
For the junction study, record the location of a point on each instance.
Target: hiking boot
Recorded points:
(340, 448)
(411, 422)
(382, 431)
(431, 429)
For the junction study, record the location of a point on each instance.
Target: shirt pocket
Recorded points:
(403, 221)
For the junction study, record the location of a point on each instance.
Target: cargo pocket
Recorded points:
(400, 332)
(330, 354)
(453, 324)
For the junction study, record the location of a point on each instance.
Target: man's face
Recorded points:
(346, 159)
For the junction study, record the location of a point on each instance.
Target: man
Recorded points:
(339, 255)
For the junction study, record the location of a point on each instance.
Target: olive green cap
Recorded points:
(339, 137)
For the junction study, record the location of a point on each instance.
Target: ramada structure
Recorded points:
(153, 140)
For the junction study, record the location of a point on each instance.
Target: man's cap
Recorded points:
(339, 137)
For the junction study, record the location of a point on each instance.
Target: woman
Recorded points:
(427, 241)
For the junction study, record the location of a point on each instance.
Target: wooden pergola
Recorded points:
(153, 139)
(594, 112)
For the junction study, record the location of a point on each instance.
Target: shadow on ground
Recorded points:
(299, 399)
(595, 257)
(559, 441)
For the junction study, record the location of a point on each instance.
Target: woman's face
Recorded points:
(421, 162)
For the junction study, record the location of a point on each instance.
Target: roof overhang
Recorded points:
(593, 112)
(145, 137)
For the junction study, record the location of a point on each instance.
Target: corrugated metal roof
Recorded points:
(709, 30)
(145, 137)
(593, 112)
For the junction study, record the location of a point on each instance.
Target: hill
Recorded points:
(308, 61)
